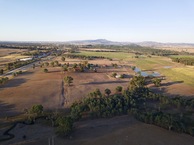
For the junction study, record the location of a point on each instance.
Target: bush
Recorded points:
(119, 88)
(45, 70)
(38, 109)
(114, 74)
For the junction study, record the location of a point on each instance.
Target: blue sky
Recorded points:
(117, 20)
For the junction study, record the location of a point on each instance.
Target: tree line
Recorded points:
(184, 60)
(135, 100)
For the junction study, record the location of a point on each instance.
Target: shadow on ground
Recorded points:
(7, 110)
(172, 83)
(100, 83)
(13, 83)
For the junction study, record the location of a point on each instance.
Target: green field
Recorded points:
(155, 63)
(182, 56)
(180, 74)
(152, 63)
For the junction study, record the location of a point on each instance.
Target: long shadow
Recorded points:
(13, 83)
(26, 73)
(164, 91)
(100, 83)
(54, 71)
(172, 83)
(7, 109)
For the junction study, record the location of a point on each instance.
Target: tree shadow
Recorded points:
(7, 110)
(172, 83)
(100, 83)
(54, 71)
(164, 91)
(26, 73)
(13, 83)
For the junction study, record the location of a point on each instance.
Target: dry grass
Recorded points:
(121, 130)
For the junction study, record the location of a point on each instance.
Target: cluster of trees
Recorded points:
(17, 73)
(135, 100)
(35, 53)
(174, 122)
(79, 67)
(82, 56)
(114, 65)
(3, 80)
(140, 50)
(184, 60)
(63, 124)
(17, 64)
(52, 63)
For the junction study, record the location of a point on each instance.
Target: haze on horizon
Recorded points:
(116, 20)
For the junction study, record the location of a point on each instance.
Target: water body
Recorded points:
(167, 66)
(146, 74)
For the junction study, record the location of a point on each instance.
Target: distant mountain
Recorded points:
(107, 42)
(143, 44)
(165, 45)
(99, 42)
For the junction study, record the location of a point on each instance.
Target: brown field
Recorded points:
(180, 49)
(10, 55)
(122, 130)
(8, 51)
(37, 87)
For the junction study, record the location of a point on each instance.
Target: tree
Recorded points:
(52, 64)
(65, 126)
(68, 80)
(38, 109)
(137, 82)
(119, 88)
(63, 58)
(45, 70)
(114, 74)
(33, 66)
(107, 91)
(157, 82)
(56, 63)
(74, 65)
(1, 71)
(98, 92)
(46, 64)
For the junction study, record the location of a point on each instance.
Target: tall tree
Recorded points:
(107, 91)
(1, 71)
(63, 58)
(68, 80)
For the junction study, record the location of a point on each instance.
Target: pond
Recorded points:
(167, 66)
(146, 74)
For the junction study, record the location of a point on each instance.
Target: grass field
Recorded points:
(152, 63)
(180, 74)
(182, 56)
(14, 56)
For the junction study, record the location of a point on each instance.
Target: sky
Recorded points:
(116, 20)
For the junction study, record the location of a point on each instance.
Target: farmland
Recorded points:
(34, 86)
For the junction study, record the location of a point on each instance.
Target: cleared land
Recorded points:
(178, 76)
(37, 87)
